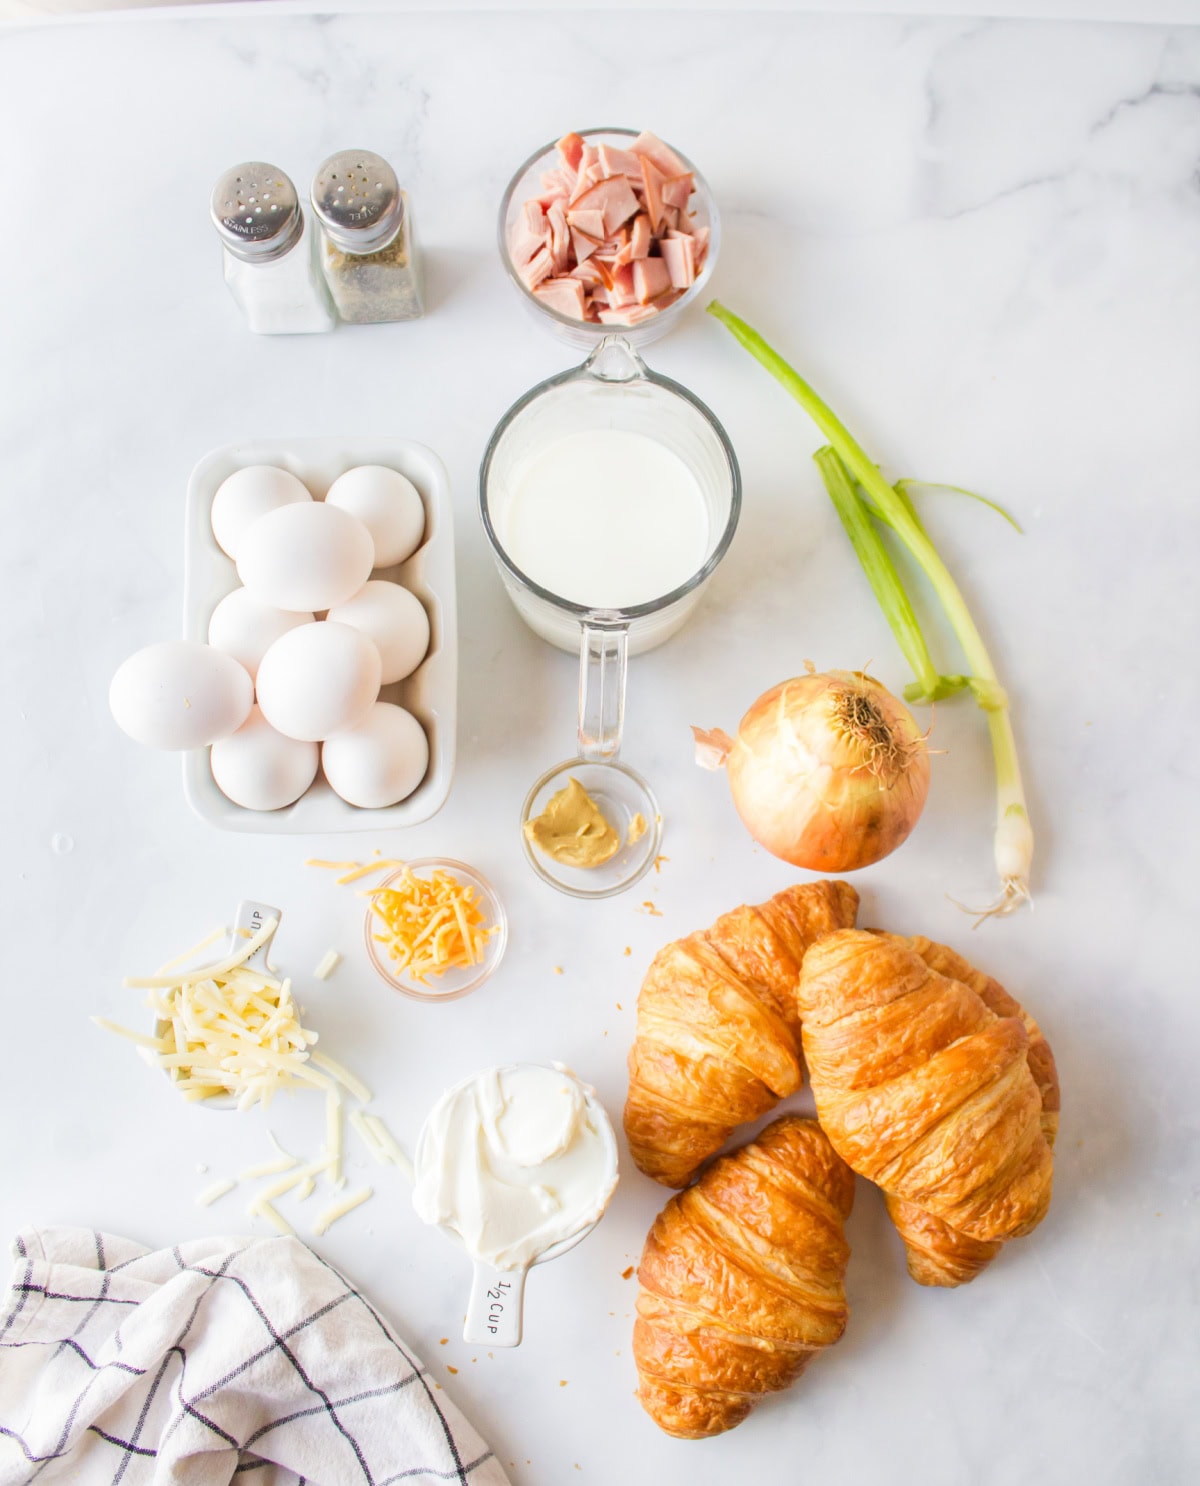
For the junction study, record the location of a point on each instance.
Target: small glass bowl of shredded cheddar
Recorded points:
(435, 929)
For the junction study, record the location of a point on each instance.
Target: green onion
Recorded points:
(845, 465)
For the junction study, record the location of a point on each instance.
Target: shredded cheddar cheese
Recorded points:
(430, 924)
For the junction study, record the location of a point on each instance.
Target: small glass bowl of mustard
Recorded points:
(591, 829)
(461, 976)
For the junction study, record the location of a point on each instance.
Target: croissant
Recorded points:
(930, 1093)
(741, 1280)
(718, 1033)
(937, 1253)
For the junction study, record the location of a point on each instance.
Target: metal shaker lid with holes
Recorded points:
(256, 212)
(358, 201)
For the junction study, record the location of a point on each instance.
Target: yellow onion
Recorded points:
(828, 771)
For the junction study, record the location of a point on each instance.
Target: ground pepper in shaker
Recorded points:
(367, 253)
(268, 247)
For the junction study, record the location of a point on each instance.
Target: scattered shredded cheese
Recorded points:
(358, 1122)
(213, 1193)
(331, 1215)
(292, 1180)
(305, 1190)
(267, 1168)
(161, 982)
(389, 1144)
(260, 1208)
(333, 1135)
(329, 963)
(367, 868)
(344, 1077)
(431, 924)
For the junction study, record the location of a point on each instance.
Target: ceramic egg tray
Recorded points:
(430, 693)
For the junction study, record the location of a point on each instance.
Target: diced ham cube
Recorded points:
(632, 314)
(555, 183)
(639, 237)
(582, 246)
(619, 162)
(623, 290)
(587, 272)
(677, 254)
(678, 190)
(652, 148)
(539, 267)
(564, 295)
(529, 232)
(614, 197)
(570, 147)
(589, 221)
(700, 245)
(652, 184)
(560, 239)
(651, 277)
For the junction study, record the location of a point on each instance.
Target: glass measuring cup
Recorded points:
(613, 389)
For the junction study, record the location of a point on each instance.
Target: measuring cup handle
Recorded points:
(250, 918)
(603, 661)
(494, 1309)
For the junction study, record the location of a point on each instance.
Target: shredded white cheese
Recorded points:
(375, 1150)
(388, 1144)
(333, 1135)
(263, 1209)
(344, 1077)
(227, 1029)
(267, 1168)
(329, 963)
(213, 1193)
(331, 1215)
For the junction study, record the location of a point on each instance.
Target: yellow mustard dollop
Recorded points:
(573, 830)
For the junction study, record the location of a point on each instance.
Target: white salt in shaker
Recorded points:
(270, 263)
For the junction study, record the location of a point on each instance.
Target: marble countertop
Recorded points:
(980, 238)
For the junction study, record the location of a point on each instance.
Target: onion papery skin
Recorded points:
(817, 789)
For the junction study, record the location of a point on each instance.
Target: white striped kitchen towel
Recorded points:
(218, 1360)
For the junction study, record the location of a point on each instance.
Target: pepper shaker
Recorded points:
(367, 252)
(268, 252)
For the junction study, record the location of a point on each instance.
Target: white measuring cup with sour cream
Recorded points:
(517, 1164)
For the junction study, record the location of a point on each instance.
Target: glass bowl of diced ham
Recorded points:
(608, 231)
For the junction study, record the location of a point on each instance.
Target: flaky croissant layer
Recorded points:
(929, 1092)
(741, 1280)
(718, 1030)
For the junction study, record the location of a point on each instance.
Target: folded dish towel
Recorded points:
(222, 1359)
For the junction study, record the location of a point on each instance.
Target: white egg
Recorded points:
(388, 504)
(318, 678)
(248, 494)
(180, 694)
(394, 619)
(260, 769)
(380, 760)
(246, 628)
(306, 557)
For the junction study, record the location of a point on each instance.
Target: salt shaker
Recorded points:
(268, 247)
(367, 252)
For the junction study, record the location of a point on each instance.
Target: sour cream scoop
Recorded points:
(518, 1163)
